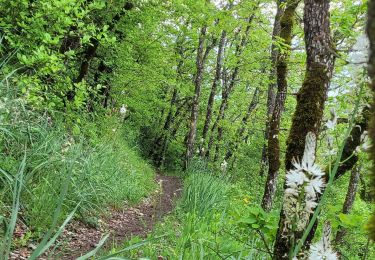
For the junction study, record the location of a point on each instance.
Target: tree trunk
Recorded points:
(371, 72)
(227, 90)
(195, 105)
(273, 150)
(161, 139)
(241, 130)
(349, 201)
(349, 157)
(310, 99)
(215, 83)
(271, 96)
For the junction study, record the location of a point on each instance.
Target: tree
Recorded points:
(230, 81)
(215, 83)
(349, 200)
(371, 71)
(310, 98)
(197, 92)
(273, 147)
(272, 87)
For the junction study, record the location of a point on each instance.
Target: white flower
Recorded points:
(310, 206)
(365, 140)
(295, 177)
(308, 158)
(303, 183)
(317, 252)
(322, 250)
(315, 184)
(333, 121)
(290, 191)
(224, 165)
(123, 110)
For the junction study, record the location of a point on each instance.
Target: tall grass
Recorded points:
(204, 192)
(75, 176)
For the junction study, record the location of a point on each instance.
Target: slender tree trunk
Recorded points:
(310, 99)
(241, 130)
(349, 201)
(349, 157)
(272, 86)
(215, 83)
(161, 139)
(371, 72)
(195, 105)
(227, 90)
(273, 149)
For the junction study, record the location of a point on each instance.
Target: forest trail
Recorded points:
(124, 223)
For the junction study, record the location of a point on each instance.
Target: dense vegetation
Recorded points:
(261, 107)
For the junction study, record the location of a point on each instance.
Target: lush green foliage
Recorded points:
(89, 86)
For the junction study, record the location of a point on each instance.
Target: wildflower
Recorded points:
(123, 110)
(331, 151)
(246, 200)
(365, 143)
(330, 142)
(333, 121)
(303, 183)
(322, 250)
(224, 165)
(295, 178)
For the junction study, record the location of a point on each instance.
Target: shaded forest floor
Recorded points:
(79, 238)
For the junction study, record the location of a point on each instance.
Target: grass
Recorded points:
(206, 224)
(97, 170)
(204, 193)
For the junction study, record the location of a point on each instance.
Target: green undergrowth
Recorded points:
(214, 219)
(95, 159)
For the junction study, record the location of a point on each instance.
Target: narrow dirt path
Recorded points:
(122, 224)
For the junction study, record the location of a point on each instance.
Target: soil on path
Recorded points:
(122, 224)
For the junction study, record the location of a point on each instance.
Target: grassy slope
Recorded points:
(98, 164)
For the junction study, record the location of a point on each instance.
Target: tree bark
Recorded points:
(195, 105)
(349, 157)
(273, 147)
(349, 201)
(215, 83)
(371, 71)
(272, 86)
(310, 99)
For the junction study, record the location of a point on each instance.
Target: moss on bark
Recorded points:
(309, 111)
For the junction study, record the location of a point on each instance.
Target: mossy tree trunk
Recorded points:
(310, 99)
(371, 72)
(272, 86)
(160, 143)
(273, 147)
